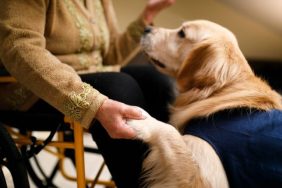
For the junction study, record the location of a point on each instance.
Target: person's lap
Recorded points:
(138, 85)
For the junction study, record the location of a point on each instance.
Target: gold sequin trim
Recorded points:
(77, 103)
(102, 26)
(84, 60)
(85, 34)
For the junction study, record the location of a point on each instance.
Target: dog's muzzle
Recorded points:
(147, 30)
(157, 63)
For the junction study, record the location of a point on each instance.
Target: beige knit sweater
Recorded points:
(45, 43)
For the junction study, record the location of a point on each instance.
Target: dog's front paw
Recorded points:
(150, 127)
(143, 128)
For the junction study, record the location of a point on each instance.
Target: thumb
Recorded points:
(134, 112)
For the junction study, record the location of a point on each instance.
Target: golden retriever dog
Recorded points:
(211, 75)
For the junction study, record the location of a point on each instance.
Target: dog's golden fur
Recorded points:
(211, 75)
(216, 76)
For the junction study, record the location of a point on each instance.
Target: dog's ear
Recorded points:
(206, 68)
(193, 64)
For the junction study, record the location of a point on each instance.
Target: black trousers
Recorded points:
(139, 85)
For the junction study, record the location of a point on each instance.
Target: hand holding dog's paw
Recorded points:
(147, 128)
(142, 128)
(113, 116)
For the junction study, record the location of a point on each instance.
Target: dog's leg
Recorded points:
(169, 163)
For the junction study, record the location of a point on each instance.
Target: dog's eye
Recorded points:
(181, 33)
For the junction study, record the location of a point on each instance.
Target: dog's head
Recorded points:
(198, 54)
(210, 70)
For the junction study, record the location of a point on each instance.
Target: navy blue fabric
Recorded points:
(249, 144)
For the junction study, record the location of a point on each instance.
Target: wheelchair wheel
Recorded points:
(37, 173)
(11, 160)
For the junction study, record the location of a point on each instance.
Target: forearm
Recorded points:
(23, 53)
(53, 81)
(123, 44)
(153, 8)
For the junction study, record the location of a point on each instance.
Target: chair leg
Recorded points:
(79, 155)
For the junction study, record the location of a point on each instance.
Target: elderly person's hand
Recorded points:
(153, 7)
(113, 116)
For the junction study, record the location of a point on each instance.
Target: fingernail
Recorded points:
(144, 114)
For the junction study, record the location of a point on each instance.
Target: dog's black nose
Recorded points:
(147, 30)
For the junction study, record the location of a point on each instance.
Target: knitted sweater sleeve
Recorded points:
(123, 45)
(23, 53)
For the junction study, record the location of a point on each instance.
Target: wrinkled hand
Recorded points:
(113, 116)
(153, 7)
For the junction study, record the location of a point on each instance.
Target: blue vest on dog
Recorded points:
(249, 144)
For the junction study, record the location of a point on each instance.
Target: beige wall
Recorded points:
(256, 39)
